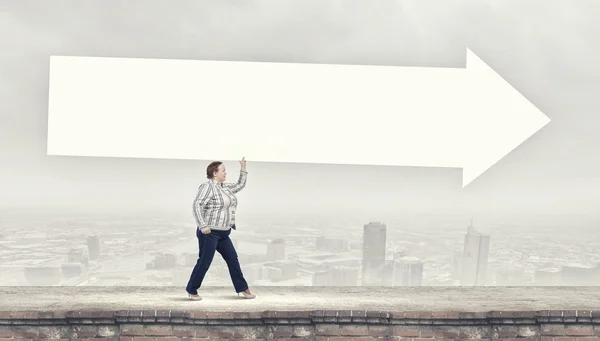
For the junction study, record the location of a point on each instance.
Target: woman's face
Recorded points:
(221, 174)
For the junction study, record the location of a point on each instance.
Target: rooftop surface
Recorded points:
(456, 299)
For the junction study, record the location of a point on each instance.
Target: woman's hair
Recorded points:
(212, 168)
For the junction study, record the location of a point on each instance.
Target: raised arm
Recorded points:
(205, 192)
(240, 184)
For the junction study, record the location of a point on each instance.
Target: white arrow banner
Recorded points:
(467, 118)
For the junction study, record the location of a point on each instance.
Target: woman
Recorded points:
(214, 210)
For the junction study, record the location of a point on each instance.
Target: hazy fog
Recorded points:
(548, 50)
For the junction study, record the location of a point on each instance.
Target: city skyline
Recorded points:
(305, 251)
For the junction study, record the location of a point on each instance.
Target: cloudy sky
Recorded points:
(548, 50)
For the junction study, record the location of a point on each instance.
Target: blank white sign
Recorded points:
(281, 112)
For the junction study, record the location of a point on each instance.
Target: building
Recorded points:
(78, 254)
(339, 276)
(456, 265)
(276, 250)
(43, 275)
(510, 276)
(323, 243)
(475, 258)
(93, 244)
(373, 254)
(407, 271)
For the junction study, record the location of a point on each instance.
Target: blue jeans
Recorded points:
(209, 243)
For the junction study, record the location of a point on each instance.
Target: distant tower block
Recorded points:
(373, 256)
(407, 271)
(475, 258)
(78, 254)
(276, 249)
(93, 244)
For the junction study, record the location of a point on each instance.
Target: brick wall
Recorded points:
(301, 325)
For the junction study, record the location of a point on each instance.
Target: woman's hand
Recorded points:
(205, 230)
(243, 164)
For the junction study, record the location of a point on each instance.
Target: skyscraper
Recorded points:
(475, 257)
(456, 265)
(93, 244)
(373, 256)
(407, 271)
(276, 249)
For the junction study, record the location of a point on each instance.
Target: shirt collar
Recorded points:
(215, 182)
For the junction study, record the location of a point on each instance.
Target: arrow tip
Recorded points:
(501, 118)
(490, 151)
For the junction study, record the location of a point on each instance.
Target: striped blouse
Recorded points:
(215, 203)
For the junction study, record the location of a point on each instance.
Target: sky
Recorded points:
(546, 49)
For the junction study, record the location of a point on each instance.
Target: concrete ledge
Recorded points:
(224, 299)
(307, 313)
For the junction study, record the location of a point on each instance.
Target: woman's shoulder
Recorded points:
(205, 184)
